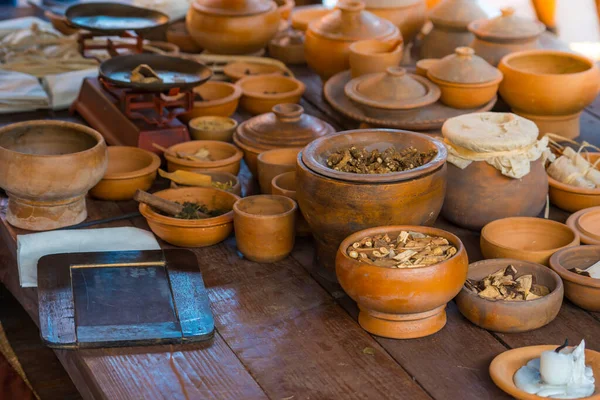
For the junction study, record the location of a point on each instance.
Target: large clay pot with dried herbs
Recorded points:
(407, 15)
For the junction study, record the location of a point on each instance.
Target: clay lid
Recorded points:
(350, 22)
(390, 3)
(507, 26)
(463, 67)
(393, 89)
(235, 8)
(456, 13)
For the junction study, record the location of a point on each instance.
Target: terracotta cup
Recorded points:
(370, 56)
(274, 162)
(265, 227)
(285, 185)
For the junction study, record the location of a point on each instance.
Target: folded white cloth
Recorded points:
(64, 88)
(21, 92)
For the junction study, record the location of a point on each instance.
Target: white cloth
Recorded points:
(32, 247)
(21, 92)
(64, 88)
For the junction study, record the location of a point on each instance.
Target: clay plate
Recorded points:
(586, 222)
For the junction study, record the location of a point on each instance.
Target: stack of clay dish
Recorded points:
(275, 162)
(526, 238)
(233, 26)
(218, 99)
(241, 69)
(213, 128)
(286, 126)
(407, 15)
(581, 290)
(193, 232)
(288, 47)
(336, 204)
(263, 92)
(450, 19)
(46, 169)
(178, 35)
(222, 177)
(508, 33)
(328, 40)
(532, 80)
(586, 223)
(371, 56)
(285, 8)
(572, 198)
(225, 157)
(401, 303)
(481, 188)
(285, 185)
(424, 65)
(511, 316)
(466, 80)
(129, 169)
(302, 16)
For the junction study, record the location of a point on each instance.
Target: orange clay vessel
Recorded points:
(275, 162)
(407, 15)
(225, 157)
(581, 290)
(261, 93)
(285, 185)
(370, 56)
(572, 198)
(216, 99)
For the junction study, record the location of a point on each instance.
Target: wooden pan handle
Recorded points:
(166, 206)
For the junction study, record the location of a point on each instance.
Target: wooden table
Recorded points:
(284, 332)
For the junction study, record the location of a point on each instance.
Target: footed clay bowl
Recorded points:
(261, 93)
(225, 157)
(525, 238)
(285, 185)
(402, 303)
(304, 15)
(466, 95)
(46, 169)
(581, 290)
(218, 99)
(241, 69)
(511, 316)
(129, 169)
(223, 177)
(371, 56)
(275, 162)
(572, 198)
(213, 128)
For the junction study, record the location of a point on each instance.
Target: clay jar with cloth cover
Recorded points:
(495, 168)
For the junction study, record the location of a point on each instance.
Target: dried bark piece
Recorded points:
(540, 290)
(490, 292)
(502, 285)
(525, 282)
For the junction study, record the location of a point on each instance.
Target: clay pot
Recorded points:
(328, 40)
(371, 56)
(511, 316)
(233, 26)
(407, 15)
(264, 227)
(336, 204)
(178, 35)
(218, 99)
(46, 169)
(424, 65)
(261, 93)
(223, 177)
(193, 232)
(288, 47)
(401, 303)
(573, 198)
(275, 162)
(532, 79)
(213, 128)
(286, 126)
(285, 185)
(241, 69)
(304, 15)
(129, 169)
(586, 223)
(285, 8)
(225, 157)
(525, 238)
(581, 290)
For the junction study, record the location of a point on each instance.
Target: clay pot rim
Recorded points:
(572, 222)
(231, 177)
(396, 49)
(149, 169)
(302, 23)
(236, 157)
(391, 4)
(231, 13)
(213, 118)
(230, 70)
(274, 182)
(291, 202)
(291, 149)
(475, 28)
(569, 276)
(505, 62)
(245, 147)
(237, 93)
(297, 91)
(479, 85)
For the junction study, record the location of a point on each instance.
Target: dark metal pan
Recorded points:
(175, 72)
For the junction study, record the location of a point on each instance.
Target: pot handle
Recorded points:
(350, 10)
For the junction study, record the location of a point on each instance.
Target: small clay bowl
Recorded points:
(288, 47)
(213, 128)
(242, 69)
(219, 99)
(302, 16)
(193, 232)
(265, 227)
(526, 238)
(226, 157)
(572, 198)
(178, 35)
(371, 56)
(129, 169)
(285, 185)
(586, 223)
(466, 95)
(581, 290)
(223, 177)
(423, 66)
(511, 316)
(261, 93)
(274, 162)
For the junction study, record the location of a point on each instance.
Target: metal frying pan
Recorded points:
(175, 72)
(114, 18)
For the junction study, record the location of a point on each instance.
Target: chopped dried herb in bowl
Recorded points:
(362, 161)
(195, 211)
(504, 285)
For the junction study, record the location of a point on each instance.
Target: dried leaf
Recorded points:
(369, 350)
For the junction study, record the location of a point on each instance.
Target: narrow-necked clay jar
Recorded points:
(328, 40)
(508, 33)
(370, 56)
(285, 185)
(407, 15)
(233, 26)
(265, 227)
(275, 162)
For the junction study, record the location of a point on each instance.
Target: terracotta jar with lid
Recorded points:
(328, 40)
(407, 15)
(450, 20)
(508, 33)
(233, 26)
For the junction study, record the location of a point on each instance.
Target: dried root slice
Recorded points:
(505, 285)
(144, 74)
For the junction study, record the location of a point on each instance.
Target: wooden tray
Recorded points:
(429, 117)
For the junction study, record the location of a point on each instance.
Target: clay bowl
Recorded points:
(264, 227)
(285, 185)
(586, 223)
(304, 15)
(466, 95)
(371, 56)
(129, 169)
(288, 47)
(226, 157)
(274, 162)
(572, 198)
(401, 303)
(261, 93)
(242, 69)
(178, 35)
(526, 238)
(46, 169)
(193, 232)
(213, 128)
(223, 177)
(423, 66)
(581, 290)
(409, 17)
(511, 316)
(219, 99)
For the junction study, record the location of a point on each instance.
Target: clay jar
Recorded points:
(336, 204)
(407, 15)
(233, 26)
(46, 169)
(370, 56)
(265, 227)
(328, 40)
(274, 162)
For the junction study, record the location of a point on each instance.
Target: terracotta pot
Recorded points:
(193, 232)
(288, 47)
(223, 177)
(285, 8)
(218, 99)
(285, 185)
(178, 35)
(525, 238)
(129, 169)
(336, 207)
(264, 227)
(511, 316)
(581, 290)
(304, 15)
(401, 303)
(572, 198)
(241, 69)
(407, 15)
(233, 26)
(371, 56)
(46, 169)
(532, 79)
(261, 93)
(225, 157)
(424, 65)
(219, 128)
(275, 162)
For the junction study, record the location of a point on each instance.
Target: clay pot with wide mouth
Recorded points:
(371, 56)
(261, 93)
(215, 98)
(285, 185)
(581, 290)
(213, 128)
(275, 162)
(240, 69)
(407, 15)
(225, 157)
(47, 167)
(572, 198)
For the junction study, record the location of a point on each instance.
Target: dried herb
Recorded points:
(192, 210)
(363, 161)
(222, 185)
(504, 285)
(581, 272)
(143, 73)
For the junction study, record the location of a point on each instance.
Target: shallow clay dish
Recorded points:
(129, 169)
(304, 15)
(581, 290)
(274, 162)
(586, 223)
(261, 93)
(573, 198)
(223, 177)
(511, 316)
(226, 157)
(526, 238)
(241, 69)
(215, 99)
(371, 56)
(213, 128)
